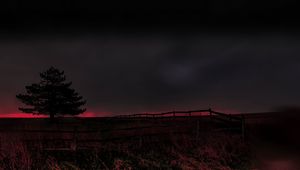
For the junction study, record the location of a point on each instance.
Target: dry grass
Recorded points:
(218, 151)
(14, 154)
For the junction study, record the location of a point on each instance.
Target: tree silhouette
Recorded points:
(52, 96)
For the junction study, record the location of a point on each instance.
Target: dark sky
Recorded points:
(123, 58)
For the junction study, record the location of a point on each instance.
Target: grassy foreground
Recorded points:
(218, 151)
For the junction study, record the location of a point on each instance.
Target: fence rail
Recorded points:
(211, 113)
(219, 116)
(171, 113)
(75, 135)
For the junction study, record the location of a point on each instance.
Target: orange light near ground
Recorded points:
(21, 115)
(28, 115)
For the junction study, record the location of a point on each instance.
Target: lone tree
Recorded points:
(52, 96)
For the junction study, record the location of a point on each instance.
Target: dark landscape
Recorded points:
(183, 141)
(118, 85)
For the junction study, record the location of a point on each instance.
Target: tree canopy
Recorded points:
(52, 96)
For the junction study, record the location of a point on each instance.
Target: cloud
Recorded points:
(128, 74)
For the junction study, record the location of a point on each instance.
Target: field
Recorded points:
(181, 142)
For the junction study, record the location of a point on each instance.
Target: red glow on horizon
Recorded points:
(21, 115)
(28, 115)
(94, 114)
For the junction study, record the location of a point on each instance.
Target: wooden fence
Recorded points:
(239, 120)
(61, 139)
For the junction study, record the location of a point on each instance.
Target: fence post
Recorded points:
(74, 142)
(243, 127)
(198, 129)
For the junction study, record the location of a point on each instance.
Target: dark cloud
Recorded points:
(124, 73)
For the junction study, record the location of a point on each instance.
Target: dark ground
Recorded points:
(150, 143)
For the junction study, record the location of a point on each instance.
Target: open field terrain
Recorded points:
(185, 142)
